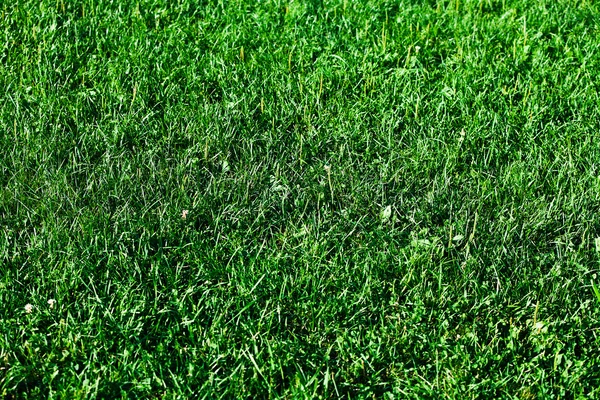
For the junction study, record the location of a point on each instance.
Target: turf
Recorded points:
(300, 199)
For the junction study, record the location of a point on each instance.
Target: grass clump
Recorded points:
(382, 198)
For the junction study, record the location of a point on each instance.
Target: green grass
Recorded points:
(395, 199)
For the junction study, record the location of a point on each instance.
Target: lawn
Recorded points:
(300, 199)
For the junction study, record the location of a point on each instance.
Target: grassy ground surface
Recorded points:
(397, 199)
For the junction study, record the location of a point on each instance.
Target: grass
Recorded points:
(394, 199)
